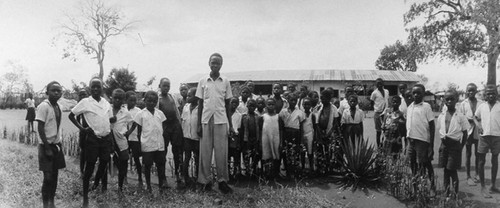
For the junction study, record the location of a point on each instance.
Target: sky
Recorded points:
(174, 39)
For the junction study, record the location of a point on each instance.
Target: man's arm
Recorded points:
(73, 120)
(432, 128)
(200, 112)
(41, 132)
(228, 103)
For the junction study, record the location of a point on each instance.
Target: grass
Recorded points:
(20, 184)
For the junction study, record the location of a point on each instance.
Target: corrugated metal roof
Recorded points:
(315, 75)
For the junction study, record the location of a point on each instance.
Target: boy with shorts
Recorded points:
(488, 117)
(119, 130)
(50, 155)
(133, 137)
(189, 121)
(380, 101)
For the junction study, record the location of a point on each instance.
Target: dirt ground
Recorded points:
(12, 119)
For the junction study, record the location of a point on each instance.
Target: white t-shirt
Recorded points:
(417, 121)
(96, 114)
(490, 119)
(47, 115)
(152, 130)
(458, 124)
(133, 135)
(380, 102)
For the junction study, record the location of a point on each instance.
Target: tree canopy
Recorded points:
(89, 30)
(120, 78)
(399, 57)
(458, 30)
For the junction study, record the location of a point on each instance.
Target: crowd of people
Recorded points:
(253, 136)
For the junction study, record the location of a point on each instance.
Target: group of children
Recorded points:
(296, 130)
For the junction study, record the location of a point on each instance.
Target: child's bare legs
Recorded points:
(482, 161)
(494, 170)
(453, 175)
(122, 168)
(468, 155)
(49, 186)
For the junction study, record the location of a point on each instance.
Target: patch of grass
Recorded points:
(20, 184)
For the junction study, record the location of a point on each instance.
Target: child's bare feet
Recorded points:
(485, 193)
(471, 182)
(494, 190)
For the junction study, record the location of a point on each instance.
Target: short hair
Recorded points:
(151, 93)
(421, 86)
(260, 98)
(277, 83)
(118, 90)
(379, 80)
(472, 84)
(311, 93)
(453, 91)
(292, 96)
(292, 84)
(396, 98)
(491, 87)
(403, 85)
(244, 87)
(251, 101)
(50, 84)
(183, 85)
(306, 99)
(352, 96)
(270, 99)
(192, 89)
(305, 87)
(162, 80)
(129, 94)
(327, 93)
(96, 78)
(215, 54)
(349, 86)
(234, 98)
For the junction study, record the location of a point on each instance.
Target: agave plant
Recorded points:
(358, 164)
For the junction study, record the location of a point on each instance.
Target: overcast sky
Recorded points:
(179, 36)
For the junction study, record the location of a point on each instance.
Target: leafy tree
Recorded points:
(149, 83)
(459, 30)
(399, 57)
(90, 30)
(78, 86)
(15, 80)
(120, 78)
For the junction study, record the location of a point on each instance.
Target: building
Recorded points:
(318, 80)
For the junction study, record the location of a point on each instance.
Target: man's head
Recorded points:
(215, 62)
(164, 85)
(471, 91)
(54, 91)
(379, 82)
(418, 93)
(491, 93)
(95, 85)
(118, 98)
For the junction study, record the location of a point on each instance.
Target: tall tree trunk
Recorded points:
(492, 68)
(101, 70)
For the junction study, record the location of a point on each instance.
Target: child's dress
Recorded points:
(270, 137)
(308, 135)
(394, 131)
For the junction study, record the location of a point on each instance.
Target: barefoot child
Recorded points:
(191, 137)
(352, 121)
(488, 116)
(420, 132)
(82, 134)
(326, 124)
(308, 126)
(277, 95)
(98, 114)
(133, 140)
(119, 130)
(245, 96)
(149, 121)
(394, 128)
(453, 127)
(271, 131)
(261, 106)
(50, 155)
(30, 115)
(250, 132)
(234, 139)
(468, 107)
(292, 134)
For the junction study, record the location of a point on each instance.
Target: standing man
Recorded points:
(214, 92)
(379, 99)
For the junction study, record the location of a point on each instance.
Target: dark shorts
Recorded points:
(98, 148)
(418, 151)
(55, 162)
(135, 147)
(191, 145)
(292, 135)
(377, 118)
(157, 157)
(30, 115)
(489, 143)
(450, 154)
(173, 134)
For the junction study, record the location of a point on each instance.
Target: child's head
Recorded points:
(118, 98)
(379, 82)
(131, 99)
(82, 94)
(234, 102)
(183, 90)
(396, 102)
(215, 62)
(251, 105)
(408, 97)
(418, 93)
(277, 89)
(349, 90)
(325, 97)
(303, 91)
(291, 87)
(245, 92)
(95, 87)
(451, 99)
(307, 104)
(402, 88)
(491, 93)
(292, 100)
(164, 85)
(191, 96)
(270, 104)
(336, 102)
(353, 101)
(286, 95)
(471, 90)
(314, 98)
(151, 99)
(251, 86)
(54, 91)
(261, 103)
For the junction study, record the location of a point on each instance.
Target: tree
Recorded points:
(78, 86)
(459, 30)
(90, 30)
(15, 80)
(120, 78)
(400, 57)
